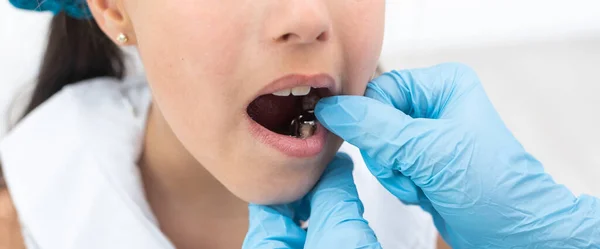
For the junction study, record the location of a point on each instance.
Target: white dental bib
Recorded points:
(71, 170)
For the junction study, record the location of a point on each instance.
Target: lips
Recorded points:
(279, 107)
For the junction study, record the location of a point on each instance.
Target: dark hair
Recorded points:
(77, 50)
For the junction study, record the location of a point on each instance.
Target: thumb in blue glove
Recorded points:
(432, 137)
(332, 207)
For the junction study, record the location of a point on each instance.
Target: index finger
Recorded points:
(422, 92)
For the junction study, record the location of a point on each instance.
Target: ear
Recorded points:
(111, 17)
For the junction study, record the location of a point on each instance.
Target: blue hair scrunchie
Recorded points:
(74, 8)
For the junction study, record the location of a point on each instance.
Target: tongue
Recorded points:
(274, 112)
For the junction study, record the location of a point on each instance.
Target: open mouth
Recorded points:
(288, 112)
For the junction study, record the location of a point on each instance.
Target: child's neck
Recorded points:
(194, 209)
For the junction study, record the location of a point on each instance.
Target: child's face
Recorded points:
(208, 60)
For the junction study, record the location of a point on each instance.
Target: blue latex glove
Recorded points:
(432, 138)
(335, 213)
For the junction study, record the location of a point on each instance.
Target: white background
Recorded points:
(538, 59)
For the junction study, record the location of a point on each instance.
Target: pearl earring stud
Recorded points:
(122, 38)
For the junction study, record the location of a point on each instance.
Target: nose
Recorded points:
(299, 22)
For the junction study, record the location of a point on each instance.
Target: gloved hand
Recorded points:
(335, 216)
(432, 138)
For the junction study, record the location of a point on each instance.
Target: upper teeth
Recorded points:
(296, 91)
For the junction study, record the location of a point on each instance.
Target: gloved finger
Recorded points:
(395, 182)
(336, 215)
(423, 92)
(418, 148)
(273, 227)
(404, 189)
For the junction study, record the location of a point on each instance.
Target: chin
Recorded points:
(291, 183)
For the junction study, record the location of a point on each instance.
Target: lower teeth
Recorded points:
(304, 126)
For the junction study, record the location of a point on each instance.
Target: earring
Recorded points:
(122, 38)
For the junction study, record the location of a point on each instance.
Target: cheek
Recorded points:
(200, 41)
(189, 60)
(362, 38)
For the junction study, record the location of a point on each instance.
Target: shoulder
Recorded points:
(77, 115)
(99, 93)
(79, 110)
(87, 102)
(87, 137)
(76, 123)
(82, 118)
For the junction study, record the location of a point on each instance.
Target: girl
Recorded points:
(222, 117)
